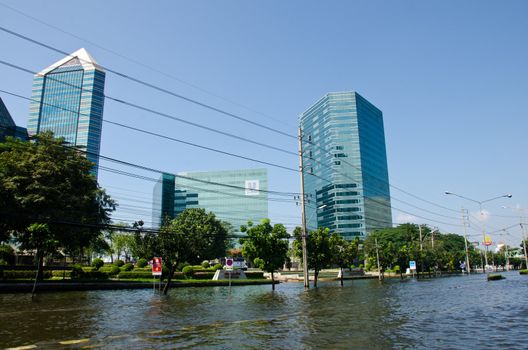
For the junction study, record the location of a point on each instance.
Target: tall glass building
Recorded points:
(67, 98)
(235, 196)
(8, 126)
(345, 165)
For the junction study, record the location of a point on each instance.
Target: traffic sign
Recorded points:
(156, 267)
(412, 265)
(229, 264)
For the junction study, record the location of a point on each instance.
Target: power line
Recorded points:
(145, 65)
(152, 86)
(206, 106)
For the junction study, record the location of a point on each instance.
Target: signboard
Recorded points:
(487, 240)
(229, 264)
(156, 266)
(252, 187)
(412, 265)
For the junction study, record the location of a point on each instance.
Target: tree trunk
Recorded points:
(38, 276)
(169, 279)
(401, 274)
(272, 281)
(341, 276)
(316, 274)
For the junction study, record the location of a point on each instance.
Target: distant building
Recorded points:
(345, 162)
(8, 126)
(68, 98)
(235, 196)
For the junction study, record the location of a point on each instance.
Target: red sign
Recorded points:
(229, 264)
(156, 267)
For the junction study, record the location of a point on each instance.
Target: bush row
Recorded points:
(524, 272)
(23, 274)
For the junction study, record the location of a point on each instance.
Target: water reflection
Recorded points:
(455, 312)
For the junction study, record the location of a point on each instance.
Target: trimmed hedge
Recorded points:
(93, 275)
(188, 271)
(523, 272)
(495, 277)
(203, 275)
(128, 267)
(142, 263)
(97, 263)
(119, 263)
(134, 274)
(24, 274)
(255, 275)
(59, 273)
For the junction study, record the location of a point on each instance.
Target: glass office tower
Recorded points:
(235, 196)
(8, 126)
(345, 163)
(67, 98)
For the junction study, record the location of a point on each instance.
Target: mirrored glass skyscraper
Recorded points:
(235, 196)
(68, 98)
(345, 165)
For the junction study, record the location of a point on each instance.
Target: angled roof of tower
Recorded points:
(80, 56)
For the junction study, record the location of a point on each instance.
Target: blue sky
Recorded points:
(450, 77)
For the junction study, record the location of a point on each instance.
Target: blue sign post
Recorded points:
(412, 265)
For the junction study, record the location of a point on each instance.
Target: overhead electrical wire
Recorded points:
(139, 63)
(123, 75)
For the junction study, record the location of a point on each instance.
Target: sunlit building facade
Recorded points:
(345, 163)
(68, 99)
(234, 196)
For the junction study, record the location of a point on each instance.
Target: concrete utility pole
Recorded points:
(481, 217)
(464, 216)
(524, 245)
(303, 216)
(421, 242)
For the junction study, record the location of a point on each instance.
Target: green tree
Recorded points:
(50, 198)
(266, 246)
(318, 247)
(123, 243)
(192, 237)
(344, 253)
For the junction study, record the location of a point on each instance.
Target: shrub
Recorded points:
(142, 262)
(396, 269)
(61, 273)
(119, 263)
(218, 267)
(135, 274)
(76, 271)
(188, 271)
(114, 271)
(7, 254)
(524, 272)
(24, 274)
(97, 263)
(181, 266)
(255, 275)
(128, 267)
(495, 277)
(205, 264)
(203, 275)
(87, 268)
(93, 275)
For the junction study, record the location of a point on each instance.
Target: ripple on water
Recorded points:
(440, 313)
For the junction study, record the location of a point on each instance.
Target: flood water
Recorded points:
(441, 313)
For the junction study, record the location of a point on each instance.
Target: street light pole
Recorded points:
(464, 211)
(523, 230)
(481, 214)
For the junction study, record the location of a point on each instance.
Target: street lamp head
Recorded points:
(509, 195)
(447, 192)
